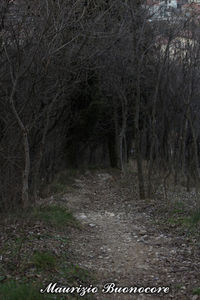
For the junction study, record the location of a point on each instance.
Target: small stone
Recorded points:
(142, 232)
(92, 225)
(109, 214)
(183, 287)
(82, 216)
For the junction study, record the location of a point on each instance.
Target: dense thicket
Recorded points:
(92, 83)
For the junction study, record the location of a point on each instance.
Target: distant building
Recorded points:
(162, 10)
(194, 1)
(167, 9)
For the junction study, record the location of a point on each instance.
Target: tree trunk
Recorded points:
(137, 141)
(117, 137)
(25, 184)
(41, 149)
(25, 177)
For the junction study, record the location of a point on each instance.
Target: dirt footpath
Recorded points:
(121, 245)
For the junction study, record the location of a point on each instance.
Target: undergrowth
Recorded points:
(12, 290)
(44, 260)
(55, 216)
(35, 251)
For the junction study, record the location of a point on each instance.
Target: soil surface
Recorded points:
(121, 244)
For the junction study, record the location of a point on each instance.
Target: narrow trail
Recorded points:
(119, 243)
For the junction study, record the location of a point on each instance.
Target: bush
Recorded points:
(12, 290)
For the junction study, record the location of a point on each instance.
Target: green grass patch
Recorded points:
(55, 216)
(196, 291)
(179, 204)
(178, 208)
(178, 211)
(44, 260)
(195, 218)
(11, 290)
(179, 220)
(189, 220)
(182, 217)
(75, 274)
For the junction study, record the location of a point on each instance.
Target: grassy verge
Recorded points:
(35, 251)
(55, 216)
(12, 290)
(180, 216)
